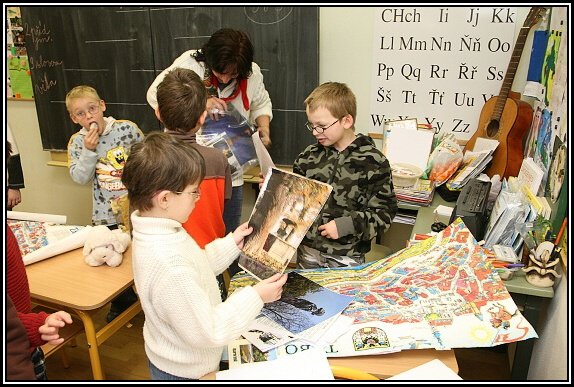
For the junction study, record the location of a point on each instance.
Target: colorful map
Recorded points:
(440, 293)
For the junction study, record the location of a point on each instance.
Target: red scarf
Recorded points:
(241, 87)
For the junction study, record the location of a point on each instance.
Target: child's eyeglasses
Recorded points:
(195, 194)
(319, 129)
(92, 109)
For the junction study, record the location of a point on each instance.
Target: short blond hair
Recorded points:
(81, 92)
(336, 97)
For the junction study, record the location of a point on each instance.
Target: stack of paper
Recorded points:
(420, 194)
(472, 165)
(530, 175)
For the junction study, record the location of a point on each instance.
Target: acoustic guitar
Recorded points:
(505, 117)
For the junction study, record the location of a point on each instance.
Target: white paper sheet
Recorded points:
(311, 364)
(409, 146)
(265, 161)
(433, 370)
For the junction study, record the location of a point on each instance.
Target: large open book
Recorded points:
(286, 207)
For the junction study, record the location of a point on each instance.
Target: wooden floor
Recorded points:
(123, 358)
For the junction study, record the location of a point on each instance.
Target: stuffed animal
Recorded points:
(105, 246)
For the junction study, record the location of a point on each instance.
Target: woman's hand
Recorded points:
(264, 135)
(215, 107)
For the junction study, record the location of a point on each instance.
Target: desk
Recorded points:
(524, 294)
(387, 365)
(66, 282)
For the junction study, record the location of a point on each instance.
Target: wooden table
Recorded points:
(387, 365)
(66, 282)
(391, 364)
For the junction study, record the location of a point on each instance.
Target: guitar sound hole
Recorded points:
(492, 128)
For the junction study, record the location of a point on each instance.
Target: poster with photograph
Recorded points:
(286, 207)
(238, 131)
(304, 304)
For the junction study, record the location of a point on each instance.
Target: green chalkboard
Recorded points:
(120, 50)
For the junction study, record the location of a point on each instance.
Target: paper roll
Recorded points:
(37, 217)
(74, 241)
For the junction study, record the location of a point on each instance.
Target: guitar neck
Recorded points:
(510, 73)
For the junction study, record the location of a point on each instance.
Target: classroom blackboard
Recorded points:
(120, 50)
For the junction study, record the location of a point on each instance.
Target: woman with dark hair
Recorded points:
(225, 64)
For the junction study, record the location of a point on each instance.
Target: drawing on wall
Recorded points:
(549, 64)
(557, 170)
(19, 80)
(286, 207)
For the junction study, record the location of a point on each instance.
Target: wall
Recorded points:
(345, 55)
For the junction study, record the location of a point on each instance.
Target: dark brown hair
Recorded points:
(160, 162)
(227, 50)
(181, 99)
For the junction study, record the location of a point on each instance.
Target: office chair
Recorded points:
(341, 372)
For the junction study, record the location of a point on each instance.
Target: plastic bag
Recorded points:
(444, 160)
(238, 131)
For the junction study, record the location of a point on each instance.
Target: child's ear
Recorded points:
(157, 113)
(347, 121)
(102, 105)
(73, 119)
(161, 200)
(201, 119)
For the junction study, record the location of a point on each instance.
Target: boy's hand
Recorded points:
(55, 321)
(270, 289)
(215, 107)
(240, 233)
(329, 230)
(92, 138)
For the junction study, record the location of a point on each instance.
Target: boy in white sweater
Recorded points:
(187, 326)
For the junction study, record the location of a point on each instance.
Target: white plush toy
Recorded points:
(105, 246)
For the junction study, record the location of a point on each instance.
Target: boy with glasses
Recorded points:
(187, 325)
(363, 200)
(97, 154)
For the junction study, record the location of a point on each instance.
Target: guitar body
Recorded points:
(510, 131)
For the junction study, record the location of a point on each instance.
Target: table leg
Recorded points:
(521, 363)
(92, 344)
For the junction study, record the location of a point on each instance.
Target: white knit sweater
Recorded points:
(186, 324)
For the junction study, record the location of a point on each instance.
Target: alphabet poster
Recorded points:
(439, 64)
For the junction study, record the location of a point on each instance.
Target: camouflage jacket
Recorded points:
(363, 198)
